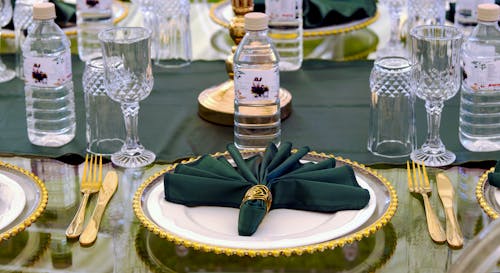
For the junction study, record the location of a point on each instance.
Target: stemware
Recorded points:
(394, 47)
(436, 77)
(5, 16)
(129, 79)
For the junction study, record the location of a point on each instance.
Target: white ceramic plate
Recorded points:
(281, 228)
(12, 200)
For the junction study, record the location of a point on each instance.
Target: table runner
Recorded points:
(330, 112)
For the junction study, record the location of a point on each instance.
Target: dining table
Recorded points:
(330, 109)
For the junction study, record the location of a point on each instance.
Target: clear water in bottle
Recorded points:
(285, 30)
(92, 17)
(50, 106)
(466, 14)
(256, 82)
(479, 128)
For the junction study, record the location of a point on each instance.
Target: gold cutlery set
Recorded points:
(418, 182)
(91, 182)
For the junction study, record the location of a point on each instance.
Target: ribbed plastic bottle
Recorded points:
(92, 16)
(50, 104)
(285, 30)
(256, 84)
(479, 128)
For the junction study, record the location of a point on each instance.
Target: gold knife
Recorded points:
(107, 190)
(447, 195)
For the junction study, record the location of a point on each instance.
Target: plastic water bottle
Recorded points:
(92, 16)
(256, 85)
(23, 16)
(285, 30)
(466, 14)
(50, 104)
(480, 95)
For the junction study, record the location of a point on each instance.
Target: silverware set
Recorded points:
(92, 183)
(418, 182)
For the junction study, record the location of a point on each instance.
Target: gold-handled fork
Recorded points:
(418, 182)
(90, 183)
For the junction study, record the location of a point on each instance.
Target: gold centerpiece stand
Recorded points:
(216, 104)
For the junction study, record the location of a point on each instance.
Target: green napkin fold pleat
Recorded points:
(322, 13)
(494, 177)
(319, 187)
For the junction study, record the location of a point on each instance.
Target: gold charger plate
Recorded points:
(485, 194)
(386, 204)
(221, 14)
(36, 199)
(365, 255)
(120, 11)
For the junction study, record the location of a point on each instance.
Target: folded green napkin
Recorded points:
(213, 181)
(494, 177)
(322, 13)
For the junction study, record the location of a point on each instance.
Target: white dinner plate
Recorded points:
(281, 228)
(12, 200)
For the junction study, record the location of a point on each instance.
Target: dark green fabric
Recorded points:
(330, 104)
(322, 13)
(314, 187)
(494, 177)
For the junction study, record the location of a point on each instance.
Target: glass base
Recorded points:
(433, 160)
(7, 75)
(133, 161)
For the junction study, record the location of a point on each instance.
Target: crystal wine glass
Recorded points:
(436, 77)
(394, 47)
(129, 79)
(5, 16)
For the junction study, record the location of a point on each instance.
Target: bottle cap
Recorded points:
(488, 12)
(44, 11)
(256, 21)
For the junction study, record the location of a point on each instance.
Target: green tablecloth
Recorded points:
(331, 103)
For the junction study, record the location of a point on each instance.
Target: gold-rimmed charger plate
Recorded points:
(488, 196)
(386, 204)
(36, 199)
(365, 255)
(120, 11)
(221, 13)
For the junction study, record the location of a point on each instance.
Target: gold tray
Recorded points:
(36, 199)
(386, 205)
(221, 13)
(367, 255)
(485, 194)
(120, 11)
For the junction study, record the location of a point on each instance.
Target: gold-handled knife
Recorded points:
(447, 195)
(107, 190)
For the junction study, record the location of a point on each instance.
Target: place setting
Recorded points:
(191, 204)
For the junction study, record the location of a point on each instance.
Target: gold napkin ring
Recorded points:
(259, 192)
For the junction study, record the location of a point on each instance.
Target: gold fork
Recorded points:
(90, 183)
(419, 183)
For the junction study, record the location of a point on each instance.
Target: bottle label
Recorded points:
(281, 10)
(48, 71)
(256, 85)
(482, 75)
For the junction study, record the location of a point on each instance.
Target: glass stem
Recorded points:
(131, 115)
(434, 109)
(395, 20)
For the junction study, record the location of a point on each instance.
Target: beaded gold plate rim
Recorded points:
(38, 208)
(313, 32)
(481, 197)
(338, 242)
(72, 31)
